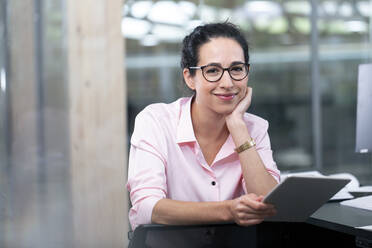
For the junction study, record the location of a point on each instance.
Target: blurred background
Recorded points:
(74, 74)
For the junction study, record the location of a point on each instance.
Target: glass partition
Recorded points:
(3, 153)
(2, 87)
(344, 43)
(279, 33)
(34, 164)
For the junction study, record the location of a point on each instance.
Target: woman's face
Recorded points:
(219, 97)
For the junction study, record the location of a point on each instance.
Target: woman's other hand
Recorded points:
(243, 105)
(238, 113)
(250, 210)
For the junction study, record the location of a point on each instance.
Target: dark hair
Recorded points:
(203, 34)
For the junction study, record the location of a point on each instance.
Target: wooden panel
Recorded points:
(97, 123)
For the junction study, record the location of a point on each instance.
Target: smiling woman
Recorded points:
(203, 159)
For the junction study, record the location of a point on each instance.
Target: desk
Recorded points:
(333, 225)
(343, 219)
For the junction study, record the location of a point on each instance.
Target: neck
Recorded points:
(207, 124)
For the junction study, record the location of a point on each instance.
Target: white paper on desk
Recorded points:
(361, 202)
(343, 194)
(303, 174)
(362, 189)
(354, 183)
(367, 228)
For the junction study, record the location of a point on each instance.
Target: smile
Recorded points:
(226, 97)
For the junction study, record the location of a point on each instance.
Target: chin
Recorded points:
(225, 110)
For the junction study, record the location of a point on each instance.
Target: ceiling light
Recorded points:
(133, 28)
(255, 9)
(330, 8)
(188, 8)
(168, 33)
(140, 9)
(365, 8)
(346, 9)
(168, 12)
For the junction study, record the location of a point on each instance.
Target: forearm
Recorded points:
(172, 212)
(257, 179)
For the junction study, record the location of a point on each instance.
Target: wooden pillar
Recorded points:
(97, 114)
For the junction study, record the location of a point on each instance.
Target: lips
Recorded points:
(226, 96)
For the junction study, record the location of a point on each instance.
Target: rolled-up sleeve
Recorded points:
(146, 174)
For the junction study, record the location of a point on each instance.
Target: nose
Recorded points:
(226, 81)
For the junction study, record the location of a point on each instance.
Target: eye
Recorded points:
(237, 68)
(212, 70)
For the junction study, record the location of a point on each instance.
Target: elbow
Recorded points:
(157, 215)
(141, 212)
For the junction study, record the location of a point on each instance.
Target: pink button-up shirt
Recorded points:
(166, 161)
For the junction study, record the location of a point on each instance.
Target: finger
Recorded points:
(256, 205)
(243, 210)
(248, 216)
(249, 213)
(263, 215)
(252, 195)
(249, 222)
(260, 198)
(249, 92)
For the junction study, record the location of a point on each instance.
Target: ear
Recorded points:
(189, 79)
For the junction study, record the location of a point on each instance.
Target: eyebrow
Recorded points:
(231, 64)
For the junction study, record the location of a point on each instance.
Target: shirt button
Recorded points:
(213, 183)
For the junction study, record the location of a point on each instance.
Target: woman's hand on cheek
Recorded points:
(241, 107)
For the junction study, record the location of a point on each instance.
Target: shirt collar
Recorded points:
(185, 130)
(226, 150)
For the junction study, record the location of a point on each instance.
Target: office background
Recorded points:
(73, 75)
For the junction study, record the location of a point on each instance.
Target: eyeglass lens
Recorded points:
(214, 73)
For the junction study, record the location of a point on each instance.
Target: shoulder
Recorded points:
(160, 112)
(256, 125)
(158, 118)
(156, 124)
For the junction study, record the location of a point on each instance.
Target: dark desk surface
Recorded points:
(333, 224)
(341, 218)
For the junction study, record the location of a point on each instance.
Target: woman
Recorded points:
(203, 159)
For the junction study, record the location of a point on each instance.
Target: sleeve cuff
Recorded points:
(141, 213)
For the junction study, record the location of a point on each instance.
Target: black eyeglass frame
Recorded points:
(247, 65)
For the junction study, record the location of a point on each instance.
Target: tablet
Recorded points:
(298, 197)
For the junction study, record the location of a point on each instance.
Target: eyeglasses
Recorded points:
(214, 72)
